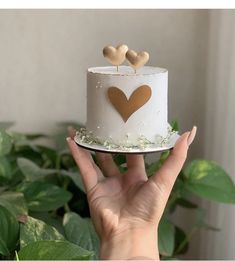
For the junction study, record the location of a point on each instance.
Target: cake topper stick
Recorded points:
(115, 56)
(137, 60)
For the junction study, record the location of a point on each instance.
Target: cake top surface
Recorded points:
(126, 70)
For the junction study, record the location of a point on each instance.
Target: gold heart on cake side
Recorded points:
(137, 60)
(126, 107)
(116, 56)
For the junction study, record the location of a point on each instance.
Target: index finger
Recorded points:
(85, 163)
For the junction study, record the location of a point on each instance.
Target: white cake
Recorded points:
(137, 121)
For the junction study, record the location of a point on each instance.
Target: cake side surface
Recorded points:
(148, 121)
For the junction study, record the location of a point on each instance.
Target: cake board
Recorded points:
(151, 148)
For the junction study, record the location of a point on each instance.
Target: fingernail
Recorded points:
(68, 139)
(192, 135)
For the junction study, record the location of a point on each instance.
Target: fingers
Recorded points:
(85, 163)
(135, 161)
(71, 131)
(136, 167)
(107, 165)
(167, 174)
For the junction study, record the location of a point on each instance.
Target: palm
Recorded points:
(123, 199)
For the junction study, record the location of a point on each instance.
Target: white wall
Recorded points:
(44, 55)
(219, 127)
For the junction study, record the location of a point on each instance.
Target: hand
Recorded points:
(128, 207)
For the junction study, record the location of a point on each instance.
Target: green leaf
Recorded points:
(185, 203)
(155, 166)
(9, 228)
(49, 156)
(5, 143)
(119, 159)
(3, 248)
(36, 230)
(81, 232)
(53, 250)
(181, 241)
(35, 136)
(175, 125)
(14, 202)
(49, 219)
(201, 220)
(166, 237)
(6, 172)
(32, 171)
(17, 137)
(75, 177)
(208, 180)
(44, 196)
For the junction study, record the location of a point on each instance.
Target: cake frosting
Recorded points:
(146, 123)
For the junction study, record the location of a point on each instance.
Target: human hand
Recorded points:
(126, 207)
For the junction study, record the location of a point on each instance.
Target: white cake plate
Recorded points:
(150, 149)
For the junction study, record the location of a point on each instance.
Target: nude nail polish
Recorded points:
(192, 135)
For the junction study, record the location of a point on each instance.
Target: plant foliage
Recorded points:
(44, 212)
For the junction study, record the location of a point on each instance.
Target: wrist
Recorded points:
(131, 244)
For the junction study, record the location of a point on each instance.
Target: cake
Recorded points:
(126, 107)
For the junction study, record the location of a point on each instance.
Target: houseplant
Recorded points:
(43, 208)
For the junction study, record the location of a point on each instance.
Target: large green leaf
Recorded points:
(32, 171)
(44, 196)
(81, 231)
(166, 237)
(5, 143)
(50, 219)
(54, 250)
(6, 171)
(208, 180)
(14, 202)
(9, 228)
(36, 230)
(48, 155)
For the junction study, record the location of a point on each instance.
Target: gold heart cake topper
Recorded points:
(127, 107)
(137, 60)
(115, 56)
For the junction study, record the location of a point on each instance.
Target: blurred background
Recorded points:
(44, 55)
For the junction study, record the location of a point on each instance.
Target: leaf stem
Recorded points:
(65, 186)
(57, 166)
(17, 257)
(187, 239)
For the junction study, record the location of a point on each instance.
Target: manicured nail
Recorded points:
(192, 135)
(68, 139)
